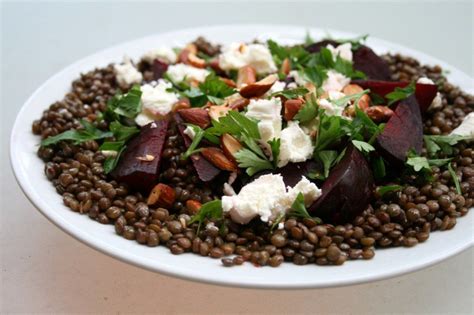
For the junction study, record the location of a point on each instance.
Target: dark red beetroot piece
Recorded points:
(425, 93)
(347, 190)
(293, 172)
(403, 132)
(364, 58)
(159, 68)
(205, 170)
(140, 163)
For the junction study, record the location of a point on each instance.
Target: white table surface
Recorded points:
(44, 270)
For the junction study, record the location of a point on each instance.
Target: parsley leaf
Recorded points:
(418, 163)
(90, 132)
(298, 209)
(346, 68)
(291, 93)
(444, 143)
(296, 54)
(385, 189)
(308, 112)
(277, 221)
(331, 130)
(438, 162)
(126, 105)
(363, 146)
(209, 210)
(315, 74)
(455, 178)
(252, 162)
(275, 148)
(121, 132)
(378, 167)
(192, 149)
(111, 162)
(328, 158)
(400, 93)
(215, 87)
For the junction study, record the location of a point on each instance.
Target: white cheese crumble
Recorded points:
(295, 145)
(466, 128)
(299, 79)
(310, 191)
(335, 81)
(438, 100)
(189, 131)
(237, 55)
(266, 197)
(278, 86)
(126, 74)
(268, 112)
(344, 50)
(181, 72)
(163, 53)
(156, 102)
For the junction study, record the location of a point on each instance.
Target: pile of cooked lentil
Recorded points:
(400, 218)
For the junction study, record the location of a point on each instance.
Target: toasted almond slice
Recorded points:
(181, 104)
(229, 82)
(193, 206)
(285, 66)
(292, 107)
(218, 111)
(258, 88)
(230, 145)
(379, 113)
(239, 103)
(161, 195)
(196, 116)
(146, 158)
(246, 75)
(218, 159)
(351, 89)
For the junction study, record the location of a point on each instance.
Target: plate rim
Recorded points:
(103, 247)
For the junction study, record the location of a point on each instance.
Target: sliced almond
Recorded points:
(218, 111)
(218, 159)
(230, 145)
(196, 116)
(352, 89)
(311, 91)
(292, 107)
(379, 113)
(161, 195)
(193, 206)
(246, 75)
(285, 66)
(146, 158)
(181, 104)
(258, 88)
(229, 82)
(239, 103)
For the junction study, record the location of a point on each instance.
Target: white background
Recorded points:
(44, 270)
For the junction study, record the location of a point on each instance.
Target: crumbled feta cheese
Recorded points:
(335, 81)
(156, 101)
(189, 131)
(267, 197)
(310, 191)
(295, 145)
(264, 197)
(330, 108)
(299, 79)
(268, 112)
(278, 86)
(164, 53)
(466, 128)
(438, 100)
(181, 72)
(144, 118)
(126, 74)
(344, 50)
(237, 55)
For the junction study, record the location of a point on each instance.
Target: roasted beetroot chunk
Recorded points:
(205, 170)
(293, 172)
(364, 58)
(347, 190)
(425, 93)
(140, 163)
(403, 132)
(159, 68)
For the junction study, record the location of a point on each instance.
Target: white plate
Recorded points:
(28, 169)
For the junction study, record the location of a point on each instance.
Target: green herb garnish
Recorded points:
(209, 210)
(455, 179)
(400, 93)
(291, 93)
(198, 135)
(385, 189)
(363, 146)
(124, 105)
(444, 143)
(298, 209)
(77, 136)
